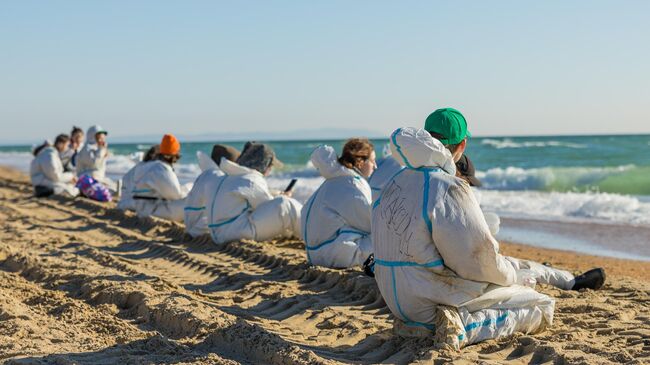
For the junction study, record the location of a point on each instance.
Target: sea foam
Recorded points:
(509, 143)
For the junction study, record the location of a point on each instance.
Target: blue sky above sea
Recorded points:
(283, 67)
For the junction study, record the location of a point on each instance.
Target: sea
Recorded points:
(588, 194)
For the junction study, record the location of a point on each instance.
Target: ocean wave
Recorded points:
(589, 206)
(509, 143)
(625, 179)
(545, 193)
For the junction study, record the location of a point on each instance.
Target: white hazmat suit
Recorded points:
(46, 170)
(128, 185)
(157, 191)
(436, 261)
(336, 219)
(242, 207)
(91, 160)
(195, 215)
(389, 167)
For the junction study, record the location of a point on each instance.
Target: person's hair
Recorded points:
(170, 159)
(40, 147)
(151, 153)
(451, 147)
(356, 151)
(76, 130)
(61, 138)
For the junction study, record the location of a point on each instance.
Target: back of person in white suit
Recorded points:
(336, 218)
(243, 207)
(195, 215)
(437, 265)
(156, 189)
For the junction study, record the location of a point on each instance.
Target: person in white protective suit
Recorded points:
(336, 218)
(157, 191)
(46, 170)
(128, 184)
(91, 160)
(69, 156)
(242, 207)
(437, 265)
(196, 217)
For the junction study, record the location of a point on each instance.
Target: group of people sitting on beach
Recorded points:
(58, 167)
(409, 219)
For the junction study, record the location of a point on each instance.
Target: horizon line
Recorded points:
(274, 139)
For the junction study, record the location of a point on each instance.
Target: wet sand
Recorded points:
(81, 282)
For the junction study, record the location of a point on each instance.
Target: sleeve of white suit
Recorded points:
(165, 182)
(358, 210)
(53, 169)
(464, 241)
(97, 156)
(256, 192)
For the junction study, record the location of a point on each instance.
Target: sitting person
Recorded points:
(157, 191)
(46, 170)
(436, 261)
(127, 186)
(242, 207)
(92, 158)
(196, 218)
(69, 157)
(336, 219)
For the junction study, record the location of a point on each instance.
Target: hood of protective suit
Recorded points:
(206, 162)
(326, 161)
(90, 135)
(235, 169)
(414, 148)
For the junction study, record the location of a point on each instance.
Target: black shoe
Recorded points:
(369, 266)
(592, 279)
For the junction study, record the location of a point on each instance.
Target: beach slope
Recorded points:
(81, 282)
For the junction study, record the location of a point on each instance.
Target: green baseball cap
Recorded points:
(449, 123)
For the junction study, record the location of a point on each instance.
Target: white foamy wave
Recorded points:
(546, 178)
(17, 160)
(560, 206)
(120, 164)
(304, 188)
(509, 143)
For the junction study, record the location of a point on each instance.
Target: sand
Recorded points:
(82, 282)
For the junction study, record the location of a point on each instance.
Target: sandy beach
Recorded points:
(82, 282)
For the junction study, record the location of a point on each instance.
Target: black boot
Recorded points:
(592, 279)
(369, 266)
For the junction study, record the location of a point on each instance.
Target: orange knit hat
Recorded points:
(170, 145)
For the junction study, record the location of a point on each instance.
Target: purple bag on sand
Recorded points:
(94, 190)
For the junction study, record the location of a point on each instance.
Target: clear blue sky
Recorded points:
(147, 67)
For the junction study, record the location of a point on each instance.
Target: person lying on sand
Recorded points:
(46, 170)
(92, 158)
(437, 265)
(242, 207)
(127, 182)
(336, 218)
(156, 189)
(196, 217)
